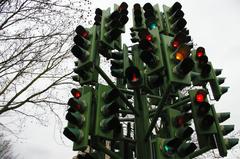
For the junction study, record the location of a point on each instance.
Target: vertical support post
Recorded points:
(143, 147)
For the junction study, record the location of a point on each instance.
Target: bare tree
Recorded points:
(6, 151)
(35, 37)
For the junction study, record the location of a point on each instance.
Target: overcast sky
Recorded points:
(213, 24)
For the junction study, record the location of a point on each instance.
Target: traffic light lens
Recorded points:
(200, 54)
(134, 78)
(76, 93)
(180, 56)
(200, 97)
(180, 121)
(149, 37)
(85, 34)
(133, 75)
(203, 108)
(169, 150)
(152, 25)
(175, 44)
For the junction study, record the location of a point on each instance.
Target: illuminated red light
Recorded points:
(149, 37)
(175, 44)
(76, 93)
(134, 78)
(200, 54)
(200, 97)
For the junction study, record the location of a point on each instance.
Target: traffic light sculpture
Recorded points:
(154, 90)
(78, 117)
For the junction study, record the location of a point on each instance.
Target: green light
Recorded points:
(152, 25)
(169, 150)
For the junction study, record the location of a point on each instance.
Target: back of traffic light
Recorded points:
(174, 18)
(79, 117)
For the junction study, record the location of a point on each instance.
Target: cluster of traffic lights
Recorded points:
(179, 45)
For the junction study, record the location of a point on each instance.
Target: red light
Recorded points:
(149, 37)
(200, 54)
(76, 93)
(175, 44)
(134, 78)
(200, 97)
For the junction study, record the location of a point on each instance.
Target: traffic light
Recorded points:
(178, 63)
(85, 46)
(112, 26)
(171, 148)
(150, 50)
(150, 16)
(107, 123)
(78, 117)
(202, 70)
(134, 77)
(209, 131)
(181, 38)
(174, 18)
(85, 50)
(203, 116)
(138, 19)
(180, 132)
(153, 17)
(98, 16)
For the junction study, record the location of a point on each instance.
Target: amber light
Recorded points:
(179, 56)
